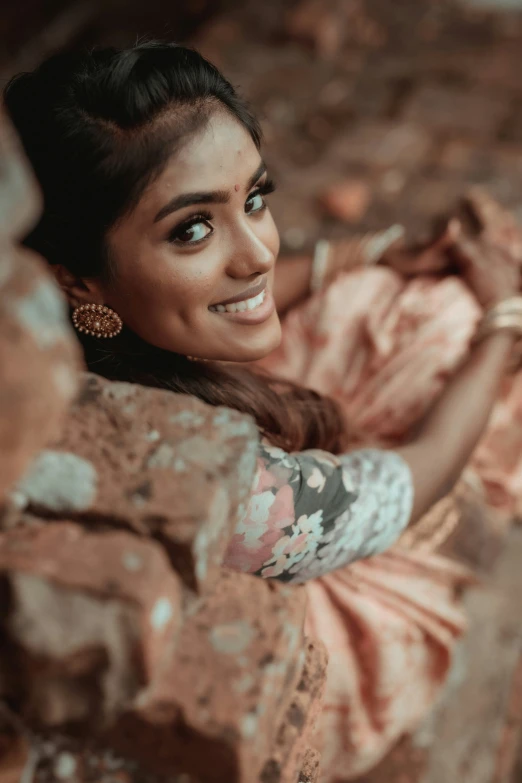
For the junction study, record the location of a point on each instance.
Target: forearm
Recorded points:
(291, 281)
(448, 435)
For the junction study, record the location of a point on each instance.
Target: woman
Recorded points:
(157, 227)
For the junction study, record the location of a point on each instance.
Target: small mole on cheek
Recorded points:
(236, 188)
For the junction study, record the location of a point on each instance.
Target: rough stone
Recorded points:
(347, 201)
(152, 463)
(292, 748)
(310, 769)
(85, 621)
(214, 708)
(61, 759)
(39, 356)
(20, 200)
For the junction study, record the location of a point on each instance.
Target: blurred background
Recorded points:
(373, 111)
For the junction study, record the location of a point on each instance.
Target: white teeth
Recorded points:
(240, 307)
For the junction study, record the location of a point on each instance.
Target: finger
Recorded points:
(466, 253)
(483, 208)
(450, 234)
(427, 262)
(430, 262)
(436, 257)
(428, 257)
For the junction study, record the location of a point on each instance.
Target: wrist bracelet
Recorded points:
(506, 316)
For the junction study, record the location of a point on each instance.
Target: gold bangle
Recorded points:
(320, 265)
(511, 305)
(502, 317)
(500, 322)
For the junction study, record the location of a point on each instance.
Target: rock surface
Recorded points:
(150, 462)
(39, 357)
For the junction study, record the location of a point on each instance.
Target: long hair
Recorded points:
(98, 127)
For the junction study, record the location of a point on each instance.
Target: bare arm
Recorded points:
(450, 432)
(448, 435)
(293, 273)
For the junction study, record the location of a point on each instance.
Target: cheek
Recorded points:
(159, 285)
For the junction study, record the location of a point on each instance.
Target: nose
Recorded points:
(251, 254)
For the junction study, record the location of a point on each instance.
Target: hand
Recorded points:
(488, 249)
(491, 272)
(492, 222)
(481, 216)
(426, 258)
(360, 250)
(388, 248)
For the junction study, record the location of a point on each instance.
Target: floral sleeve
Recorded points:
(313, 512)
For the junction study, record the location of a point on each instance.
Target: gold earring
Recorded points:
(97, 320)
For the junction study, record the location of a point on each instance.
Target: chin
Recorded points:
(258, 347)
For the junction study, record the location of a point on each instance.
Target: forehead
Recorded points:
(220, 155)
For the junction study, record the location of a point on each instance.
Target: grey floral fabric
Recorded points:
(312, 512)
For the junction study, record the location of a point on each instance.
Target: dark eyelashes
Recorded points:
(267, 187)
(192, 221)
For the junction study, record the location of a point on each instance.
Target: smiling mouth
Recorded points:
(240, 307)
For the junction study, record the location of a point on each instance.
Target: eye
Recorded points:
(256, 201)
(192, 231)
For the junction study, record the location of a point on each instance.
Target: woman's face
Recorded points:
(194, 261)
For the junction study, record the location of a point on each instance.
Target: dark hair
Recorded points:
(92, 124)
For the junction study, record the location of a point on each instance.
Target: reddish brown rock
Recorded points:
(291, 750)
(38, 353)
(311, 767)
(14, 753)
(347, 201)
(214, 710)
(153, 463)
(60, 759)
(20, 200)
(86, 621)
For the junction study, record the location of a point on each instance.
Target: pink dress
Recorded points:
(390, 618)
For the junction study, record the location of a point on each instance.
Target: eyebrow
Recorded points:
(209, 197)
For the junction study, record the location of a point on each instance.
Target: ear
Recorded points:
(78, 290)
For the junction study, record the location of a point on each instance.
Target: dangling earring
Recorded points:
(97, 320)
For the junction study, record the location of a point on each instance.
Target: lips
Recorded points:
(251, 312)
(241, 306)
(244, 296)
